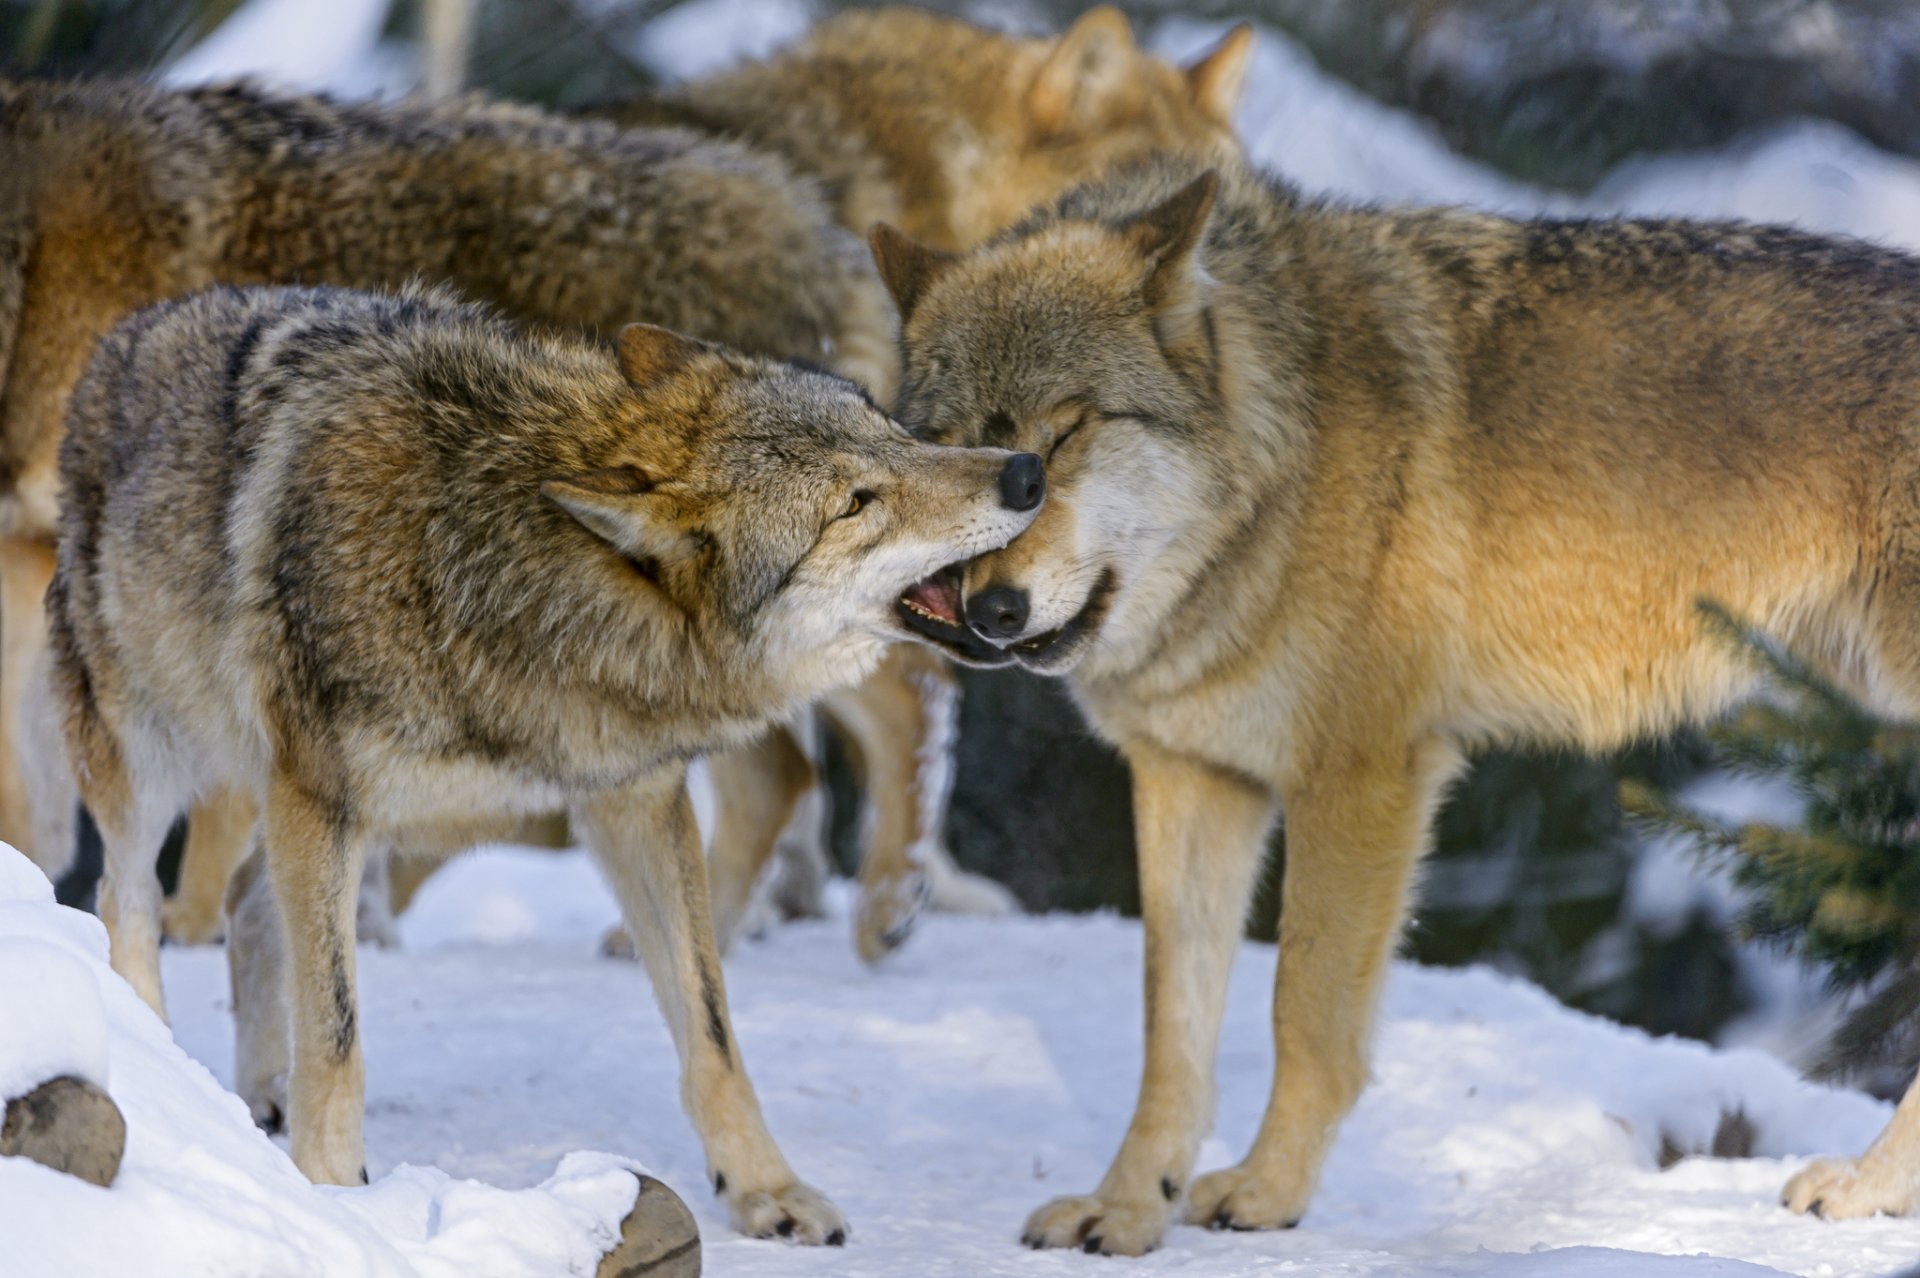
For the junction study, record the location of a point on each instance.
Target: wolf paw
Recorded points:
(1099, 1226)
(887, 914)
(267, 1103)
(1236, 1198)
(796, 1213)
(186, 922)
(1848, 1188)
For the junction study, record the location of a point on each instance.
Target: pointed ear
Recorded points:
(1088, 65)
(618, 506)
(1217, 78)
(1166, 235)
(648, 352)
(907, 266)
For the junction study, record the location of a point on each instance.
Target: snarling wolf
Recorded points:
(951, 131)
(116, 195)
(1342, 494)
(391, 564)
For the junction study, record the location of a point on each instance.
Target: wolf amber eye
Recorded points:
(856, 504)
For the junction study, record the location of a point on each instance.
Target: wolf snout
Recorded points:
(998, 614)
(1023, 482)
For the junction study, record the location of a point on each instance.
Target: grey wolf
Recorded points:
(391, 566)
(1342, 494)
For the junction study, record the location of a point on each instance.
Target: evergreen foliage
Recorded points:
(1842, 888)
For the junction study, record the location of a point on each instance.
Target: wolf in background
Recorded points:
(390, 564)
(1341, 494)
(952, 131)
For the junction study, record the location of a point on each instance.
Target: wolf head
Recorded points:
(1088, 340)
(777, 511)
(979, 126)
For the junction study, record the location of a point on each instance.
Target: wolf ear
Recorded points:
(906, 265)
(618, 505)
(1165, 235)
(649, 353)
(1089, 64)
(1217, 78)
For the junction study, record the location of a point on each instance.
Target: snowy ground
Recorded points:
(993, 1065)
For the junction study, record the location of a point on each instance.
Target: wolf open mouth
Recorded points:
(930, 610)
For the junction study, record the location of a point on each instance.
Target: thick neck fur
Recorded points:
(525, 606)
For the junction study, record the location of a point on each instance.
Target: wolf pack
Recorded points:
(381, 478)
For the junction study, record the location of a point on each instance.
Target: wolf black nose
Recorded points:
(1023, 483)
(998, 613)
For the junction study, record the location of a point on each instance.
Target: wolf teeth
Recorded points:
(930, 616)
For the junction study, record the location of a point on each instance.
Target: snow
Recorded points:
(293, 43)
(992, 1064)
(201, 1190)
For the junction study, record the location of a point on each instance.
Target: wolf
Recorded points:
(391, 564)
(114, 195)
(951, 131)
(1341, 494)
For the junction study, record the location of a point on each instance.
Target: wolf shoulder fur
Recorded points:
(1341, 494)
(392, 565)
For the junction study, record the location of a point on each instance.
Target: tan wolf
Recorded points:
(115, 195)
(951, 131)
(392, 565)
(1341, 494)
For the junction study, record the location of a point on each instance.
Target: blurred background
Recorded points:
(1768, 109)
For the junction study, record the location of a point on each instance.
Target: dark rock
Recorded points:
(67, 1124)
(658, 1239)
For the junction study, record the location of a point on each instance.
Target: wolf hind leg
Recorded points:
(133, 817)
(1201, 834)
(314, 857)
(755, 790)
(257, 974)
(644, 838)
(1354, 836)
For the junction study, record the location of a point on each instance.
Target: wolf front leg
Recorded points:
(314, 857)
(1201, 833)
(1884, 1181)
(645, 840)
(219, 836)
(1354, 835)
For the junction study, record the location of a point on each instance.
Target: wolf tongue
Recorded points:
(938, 596)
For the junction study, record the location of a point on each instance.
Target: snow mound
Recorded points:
(201, 1190)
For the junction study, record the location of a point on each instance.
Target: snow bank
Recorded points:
(201, 1190)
